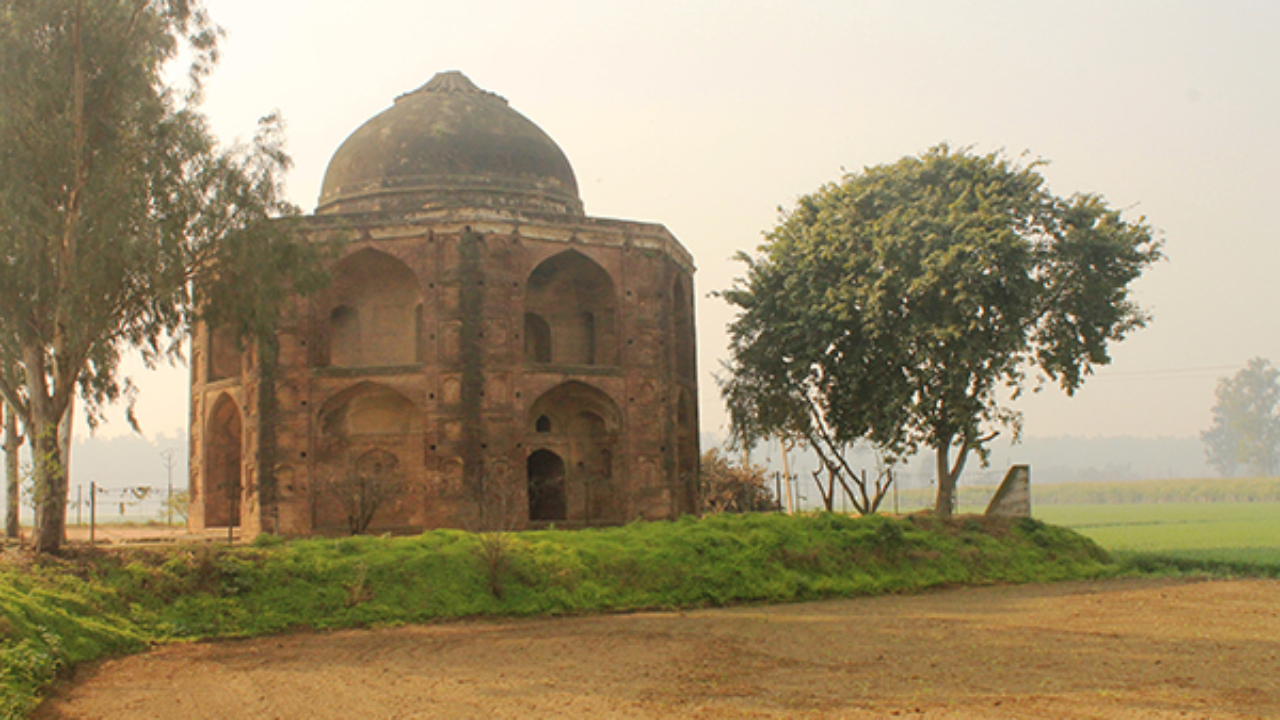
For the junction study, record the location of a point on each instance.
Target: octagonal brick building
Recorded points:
(486, 356)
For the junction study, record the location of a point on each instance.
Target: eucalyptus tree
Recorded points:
(121, 218)
(904, 305)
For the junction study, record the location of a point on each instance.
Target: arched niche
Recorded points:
(581, 425)
(367, 409)
(571, 309)
(223, 458)
(684, 341)
(372, 312)
(537, 339)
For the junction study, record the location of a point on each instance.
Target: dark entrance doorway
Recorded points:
(546, 486)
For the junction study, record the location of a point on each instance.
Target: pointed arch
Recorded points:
(562, 404)
(581, 425)
(367, 409)
(372, 312)
(576, 300)
(224, 466)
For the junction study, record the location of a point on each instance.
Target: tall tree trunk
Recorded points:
(12, 526)
(948, 474)
(51, 483)
(946, 482)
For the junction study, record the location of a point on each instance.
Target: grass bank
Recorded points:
(56, 614)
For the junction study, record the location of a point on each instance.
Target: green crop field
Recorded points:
(1232, 532)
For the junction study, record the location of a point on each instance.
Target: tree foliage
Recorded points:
(894, 306)
(120, 216)
(1245, 433)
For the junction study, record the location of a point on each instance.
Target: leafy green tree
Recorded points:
(120, 217)
(1246, 421)
(893, 307)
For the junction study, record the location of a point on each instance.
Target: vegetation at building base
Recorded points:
(56, 613)
(733, 487)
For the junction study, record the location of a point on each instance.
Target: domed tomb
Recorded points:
(449, 144)
(485, 357)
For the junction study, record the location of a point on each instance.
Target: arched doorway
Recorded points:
(546, 486)
(223, 483)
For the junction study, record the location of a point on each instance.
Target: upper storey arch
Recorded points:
(372, 312)
(570, 312)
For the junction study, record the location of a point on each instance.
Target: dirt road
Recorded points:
(1118, 649)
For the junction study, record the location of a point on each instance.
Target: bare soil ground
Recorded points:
(1116, 649)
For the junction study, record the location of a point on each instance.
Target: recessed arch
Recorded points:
(576, 299)
(367, 409)
(581, 424)
(373, 312)
(224, 467)
(563, 403)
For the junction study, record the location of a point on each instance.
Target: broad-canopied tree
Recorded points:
(1246, 421)
(893, 307)
(120, 216)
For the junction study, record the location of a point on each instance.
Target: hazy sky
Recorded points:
(709, 116)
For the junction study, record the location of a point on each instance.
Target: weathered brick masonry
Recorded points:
(490, 354)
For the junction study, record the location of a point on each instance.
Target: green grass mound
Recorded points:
(61, 613)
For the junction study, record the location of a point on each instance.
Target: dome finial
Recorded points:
(451, 81)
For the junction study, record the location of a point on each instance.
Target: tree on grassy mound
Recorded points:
(895, 306)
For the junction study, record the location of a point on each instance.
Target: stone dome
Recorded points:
(449, 144)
